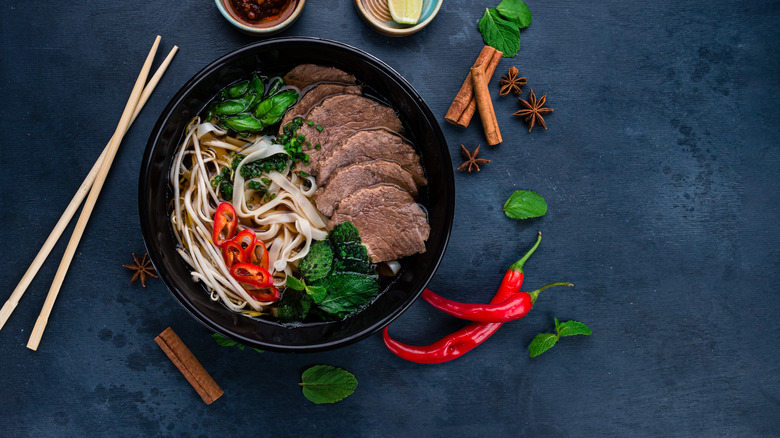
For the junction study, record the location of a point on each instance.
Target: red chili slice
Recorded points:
(246, 238)
(233, 253)
(252, 275)
(258, 254)
(270, 294)
(225, 224)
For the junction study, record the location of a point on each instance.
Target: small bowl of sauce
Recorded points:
(260, 17)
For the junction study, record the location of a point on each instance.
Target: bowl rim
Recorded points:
(153, 249)
(383, 28)
(260, 30)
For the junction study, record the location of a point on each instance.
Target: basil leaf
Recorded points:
(572, 328)
(271, 110)
(257, 86)
(242, 123)
(236, 90)
(294, 283)
(499, 33)
(524, 204)
(327, 384)
(542, 343)
(515, 11)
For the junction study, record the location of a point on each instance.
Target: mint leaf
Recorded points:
(294, 283)
(327, 384)
(542, 343)
(317, 293)
(515, 11)
(572, 328)
(225, 342)
(347, 293)
(525, 204)
(499, 33)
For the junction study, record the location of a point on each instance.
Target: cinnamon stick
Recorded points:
(485, 106)
(490, 68)
(185, 361)
(464, 105)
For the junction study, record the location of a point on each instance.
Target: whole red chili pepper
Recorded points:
(515, 307)
(464, 340)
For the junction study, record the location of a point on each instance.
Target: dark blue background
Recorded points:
(660, 168)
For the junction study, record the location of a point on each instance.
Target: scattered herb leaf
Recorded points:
(499, 33)
(327, 384)
(571, 328)
(525, 204)
(515, 11)
(225, 342)
(544, 341)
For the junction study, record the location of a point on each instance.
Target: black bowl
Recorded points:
(275, 57)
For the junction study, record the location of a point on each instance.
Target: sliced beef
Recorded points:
(314, 96)
(350, 179)
(390, 223)
(339, 116)
(303, 75)
(370, 145)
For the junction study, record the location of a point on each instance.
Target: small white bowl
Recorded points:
(377, 15)
(259, 29)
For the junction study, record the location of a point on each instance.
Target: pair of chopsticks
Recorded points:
(90, 189)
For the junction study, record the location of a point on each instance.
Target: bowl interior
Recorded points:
(276, 57)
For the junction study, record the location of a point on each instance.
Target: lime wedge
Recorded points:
(405, 11)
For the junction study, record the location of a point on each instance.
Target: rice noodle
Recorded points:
(287, 223)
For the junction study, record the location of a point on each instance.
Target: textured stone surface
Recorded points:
(661, 169)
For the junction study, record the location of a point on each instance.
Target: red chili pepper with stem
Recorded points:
(514, 307)
(225, 224)
(464, 340)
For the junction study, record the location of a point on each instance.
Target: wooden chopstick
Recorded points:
(81, 193)
(89, 205)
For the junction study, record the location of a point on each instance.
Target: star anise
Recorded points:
(510, 82)
(142, 267)
(471, 160)
(533, 110)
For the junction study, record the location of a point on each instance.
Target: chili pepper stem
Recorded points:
(518, 265)
(535, 294)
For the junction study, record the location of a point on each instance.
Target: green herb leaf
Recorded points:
(317, 293)
(317, 263)
(571, 328)
(347, 293)
(242, 123)
(542, 343)
(271, 110)
(327, 384)
(524, 204)
(294, 283)
(515, 11)
(223, 341)
(499, 33)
